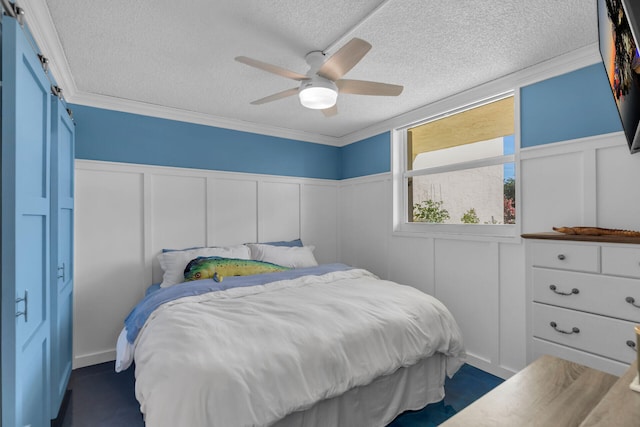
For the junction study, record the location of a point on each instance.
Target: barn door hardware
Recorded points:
(56, 91)
(44, 61)
(10, 9)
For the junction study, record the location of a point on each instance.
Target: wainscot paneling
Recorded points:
(109, 258)
(555, 196)
(618, 201)
(465, 275)
(126, 214)
(511, 340)
(583, 182)
(365, 221)
(279, 207)
(466, 282)
(177, 215)
(319, 204)
(411, 263)
(588, 181)
(229, 226)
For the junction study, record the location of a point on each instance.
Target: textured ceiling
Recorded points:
(180, 54)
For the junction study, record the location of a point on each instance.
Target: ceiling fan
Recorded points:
(319, 88)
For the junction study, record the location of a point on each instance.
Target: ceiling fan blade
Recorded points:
(363, 87)
(344, 59)
(276, 96)
(331, 111)
(283, 72)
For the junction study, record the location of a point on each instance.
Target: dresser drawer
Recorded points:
(596, 334)
(610, 296)
(566, 256)
(621, 261)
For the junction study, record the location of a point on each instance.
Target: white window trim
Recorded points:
(472, 164)
(497, 232)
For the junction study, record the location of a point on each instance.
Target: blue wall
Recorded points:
(573, 105)
(570, 106)
(367, 157)
(122, 137)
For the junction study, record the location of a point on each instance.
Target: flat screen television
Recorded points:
(618, 29)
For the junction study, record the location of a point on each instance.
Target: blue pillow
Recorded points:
(164, 250)
(290, 243)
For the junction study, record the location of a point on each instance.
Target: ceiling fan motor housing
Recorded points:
(318, 93)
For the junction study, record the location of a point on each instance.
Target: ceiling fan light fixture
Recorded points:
(318, 94)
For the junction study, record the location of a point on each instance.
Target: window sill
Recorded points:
(473, 232)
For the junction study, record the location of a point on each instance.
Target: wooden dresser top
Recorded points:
(552, 235)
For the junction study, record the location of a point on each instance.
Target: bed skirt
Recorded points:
(378, 403)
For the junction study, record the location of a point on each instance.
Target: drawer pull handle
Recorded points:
(632, 345)
(573, 330)
(561, 257)
(573, 291)
(632, 301)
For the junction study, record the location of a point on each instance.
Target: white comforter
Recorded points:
(250, 356)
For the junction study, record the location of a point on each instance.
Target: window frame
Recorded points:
(400, 175)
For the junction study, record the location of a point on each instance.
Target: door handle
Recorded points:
(25, 298)
(59, 275)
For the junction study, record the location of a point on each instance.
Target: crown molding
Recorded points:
(41, 26)
(169, 113)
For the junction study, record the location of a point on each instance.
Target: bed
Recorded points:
(314, 345)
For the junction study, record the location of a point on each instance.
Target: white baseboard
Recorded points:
(94, 358)
(493, 369)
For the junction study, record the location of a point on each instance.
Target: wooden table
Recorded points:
(555, 392)
(620, 407)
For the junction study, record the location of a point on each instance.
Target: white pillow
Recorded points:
(294, 257)
(173, 263)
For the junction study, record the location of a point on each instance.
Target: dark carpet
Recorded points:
(102, 398)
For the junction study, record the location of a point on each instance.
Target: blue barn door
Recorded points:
(26, 107)
(62, 172)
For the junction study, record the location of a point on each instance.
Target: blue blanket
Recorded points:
(138, 316)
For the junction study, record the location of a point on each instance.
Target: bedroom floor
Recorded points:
(102, 398)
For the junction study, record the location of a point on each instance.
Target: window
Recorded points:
(458, 169)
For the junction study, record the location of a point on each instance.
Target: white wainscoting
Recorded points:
(590, 181)
(586, 182)
(467, 276)
(365, 219)
(126, 214)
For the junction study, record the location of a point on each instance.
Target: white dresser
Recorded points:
(583, 299)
